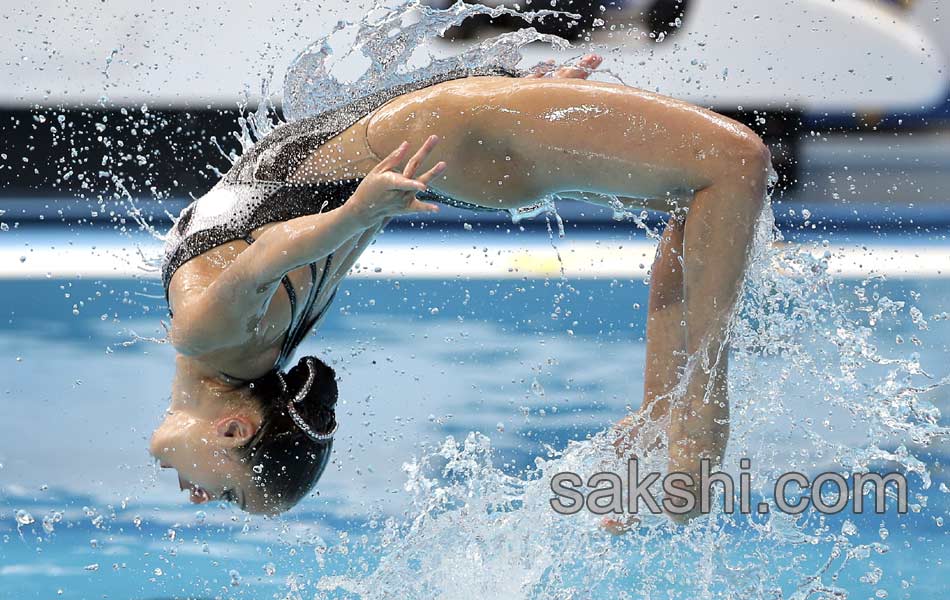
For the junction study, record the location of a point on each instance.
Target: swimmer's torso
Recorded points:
(193, 262)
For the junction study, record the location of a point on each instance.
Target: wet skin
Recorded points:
(518, 139)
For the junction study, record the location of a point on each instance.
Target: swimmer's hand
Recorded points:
(585, 66)
(387, 191)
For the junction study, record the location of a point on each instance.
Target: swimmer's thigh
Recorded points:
(509, 141)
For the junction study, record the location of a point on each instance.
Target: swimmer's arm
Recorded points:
(295, 243)
(231, 309)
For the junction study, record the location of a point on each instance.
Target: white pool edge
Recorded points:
(482, 259)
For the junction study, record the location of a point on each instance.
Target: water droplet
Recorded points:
(848, 528)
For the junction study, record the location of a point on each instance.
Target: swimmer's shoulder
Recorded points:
(194, 276)
(194, 317)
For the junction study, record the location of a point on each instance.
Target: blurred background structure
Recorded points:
(853, 85)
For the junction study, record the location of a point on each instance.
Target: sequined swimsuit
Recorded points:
(257, 191)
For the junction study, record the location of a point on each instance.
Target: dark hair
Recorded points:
(285, 461)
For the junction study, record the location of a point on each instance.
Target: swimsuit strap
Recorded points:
(296, 334)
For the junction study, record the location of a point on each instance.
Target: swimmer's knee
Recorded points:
(750, 158)
(758, 157)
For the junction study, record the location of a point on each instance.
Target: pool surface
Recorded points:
(510, 371)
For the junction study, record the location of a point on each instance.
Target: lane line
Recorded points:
(585, 259)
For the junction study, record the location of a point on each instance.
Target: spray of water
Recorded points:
(475, 529)
(390, 46)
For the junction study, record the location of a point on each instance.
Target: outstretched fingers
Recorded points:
(392, 160)
(417, 206)
(540, 69)
(397, 182)
(581, 70)
(406, 180)
(410, 187)
(432, 173)
(421, 154)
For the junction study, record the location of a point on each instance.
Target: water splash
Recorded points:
(793, 340)
(389, 46)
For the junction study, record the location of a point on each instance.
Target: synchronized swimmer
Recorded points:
(252, 266)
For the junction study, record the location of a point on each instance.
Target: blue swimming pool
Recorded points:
(532, 364)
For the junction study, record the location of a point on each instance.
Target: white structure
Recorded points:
(816, 55)
(811, 54)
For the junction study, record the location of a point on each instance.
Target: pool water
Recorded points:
(528, 363)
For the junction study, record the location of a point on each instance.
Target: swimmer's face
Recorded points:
(202, 450)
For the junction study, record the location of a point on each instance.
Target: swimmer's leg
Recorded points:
(666, 322)
(718, 234)
(635, 144)
(665, 341)
(640, 432)
(517, 140)
(508, 142)
(716, 240)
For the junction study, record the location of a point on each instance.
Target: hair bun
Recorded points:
(323, 390)
(313, 397)
(291, 450)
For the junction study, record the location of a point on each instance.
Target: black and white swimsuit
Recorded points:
(256, 191)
